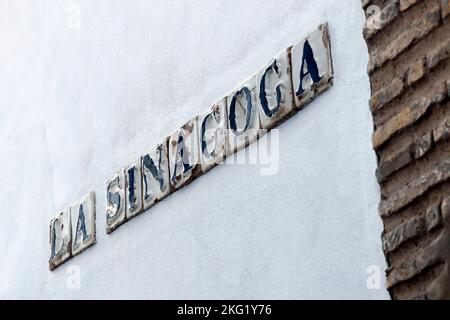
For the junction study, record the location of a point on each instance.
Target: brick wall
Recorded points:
(409, 69)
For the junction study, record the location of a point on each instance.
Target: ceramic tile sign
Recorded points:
(82, 216)
(243, 119)
(183, 155)
(283, 86)
(115, 201)
(72, 231)
(133, 176)
(274, 91)
(212, 132)
(312, 70)
(60, 239)
(155, 174)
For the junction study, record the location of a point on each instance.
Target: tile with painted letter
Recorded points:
(312, 69)
(274, 92)
(184, 155)
(155, 175)
(60, 239)
(242, 117)
(212, 127)
(115, 201)
(82, 216)
(133, 189)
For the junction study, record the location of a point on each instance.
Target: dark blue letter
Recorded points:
(313, 71)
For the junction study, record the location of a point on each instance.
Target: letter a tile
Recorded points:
(83, 224)
(312, 70)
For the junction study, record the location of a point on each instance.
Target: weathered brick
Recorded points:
(422, 145)
(421, 296)
(386, 95)
(403, 119)
(445, 209)
(415, 189)
(437, 289)
(408, 116)
(405, 4)
(433, 217)
(415, 72)
(442, 132)
(409, 99)
(378, 21)
(438, 54)
(419, 30)
(404, 156)
(407, 230)
(395, 162)
(413, 265)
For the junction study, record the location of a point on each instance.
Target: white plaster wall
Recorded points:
(77, 104)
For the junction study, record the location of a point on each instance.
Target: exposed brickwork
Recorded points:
(409, 69)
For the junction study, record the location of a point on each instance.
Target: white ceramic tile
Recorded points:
(60, 239)
(274, 92)
(212, 127)
(115, 201)
(82, 215)
(312, 70)
(184, 155)
(155, 170)
(133, 191)
(242, 116)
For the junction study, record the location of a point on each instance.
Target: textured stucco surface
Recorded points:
(77, 104)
